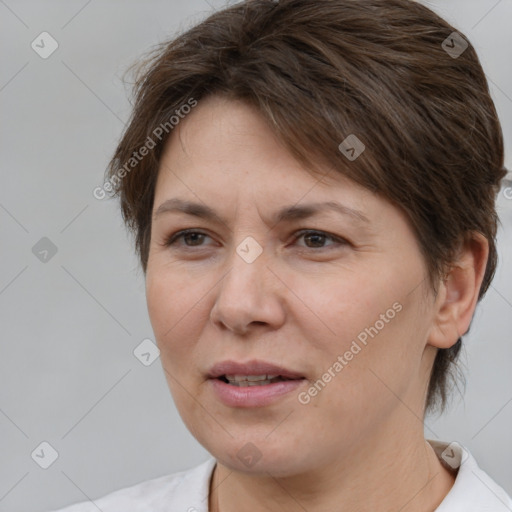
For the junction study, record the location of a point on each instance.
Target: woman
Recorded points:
(311, 185)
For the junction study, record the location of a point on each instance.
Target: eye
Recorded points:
(196, 237)
(318, 237)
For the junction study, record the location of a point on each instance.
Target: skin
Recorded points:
(301, 303)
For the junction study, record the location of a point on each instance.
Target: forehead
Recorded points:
(225, 138)
(224, 156)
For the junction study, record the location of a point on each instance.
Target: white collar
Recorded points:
(473, 489)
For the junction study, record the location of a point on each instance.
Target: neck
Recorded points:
(400, 474)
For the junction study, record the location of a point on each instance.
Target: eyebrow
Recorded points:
(286, 214)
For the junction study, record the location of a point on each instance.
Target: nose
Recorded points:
(248, 295)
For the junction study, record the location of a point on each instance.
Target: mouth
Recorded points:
(253, 380)
(253, 384)
(251, 373)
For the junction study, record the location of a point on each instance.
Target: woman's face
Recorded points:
(343, 307)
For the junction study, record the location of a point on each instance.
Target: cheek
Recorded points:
(370, 321)
(159, 302)
(167, 302)
(176, 305)
(172, 306)
(337, 307)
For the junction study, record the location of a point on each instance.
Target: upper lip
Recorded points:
(254, 367)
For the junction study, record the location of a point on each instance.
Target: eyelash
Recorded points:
(172, 239)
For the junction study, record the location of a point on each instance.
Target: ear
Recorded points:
(458, 293)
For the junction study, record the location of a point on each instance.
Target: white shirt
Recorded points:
(187, 491)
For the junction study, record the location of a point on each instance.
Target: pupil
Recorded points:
(194, 235)
(309, 235)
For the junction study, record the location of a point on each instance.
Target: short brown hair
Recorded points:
(318, 71)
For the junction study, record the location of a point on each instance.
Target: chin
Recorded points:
(257, 456)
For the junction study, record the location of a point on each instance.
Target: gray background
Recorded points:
(69, 326)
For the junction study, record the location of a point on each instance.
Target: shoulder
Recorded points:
(185, 490)
(474, 490)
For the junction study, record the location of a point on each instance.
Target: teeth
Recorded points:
(250, 378)
(246, 383)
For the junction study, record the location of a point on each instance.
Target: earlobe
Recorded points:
(458, 293)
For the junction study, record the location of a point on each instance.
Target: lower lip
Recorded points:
(253, 396)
